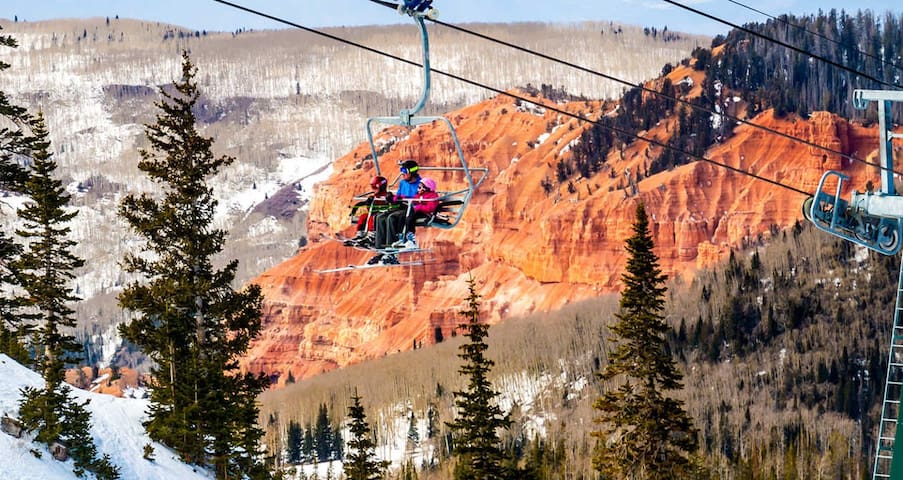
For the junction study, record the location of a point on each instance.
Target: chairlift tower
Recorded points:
(874, 220)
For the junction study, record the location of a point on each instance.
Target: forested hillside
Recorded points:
(284, 103)
(748, 72)
(783, 346)
(783, 351)
(869, 47)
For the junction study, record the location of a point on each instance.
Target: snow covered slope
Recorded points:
(116, 428)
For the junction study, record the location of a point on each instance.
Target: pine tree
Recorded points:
(323, 434)
(475, 429)
(190, 321)
(413, 437)
(16, 142)
(295, 442)
(16, 138)
(47, 266)
(644, 434)
(309, 453)
(361, 462)
(45, 270)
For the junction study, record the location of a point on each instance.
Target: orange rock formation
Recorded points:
(529, 250)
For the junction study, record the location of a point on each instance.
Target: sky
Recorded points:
(213, 16)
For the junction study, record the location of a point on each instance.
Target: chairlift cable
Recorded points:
(646, 89)
(497, 91)
(785, 45)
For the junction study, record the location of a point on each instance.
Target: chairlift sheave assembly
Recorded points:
(870, 219)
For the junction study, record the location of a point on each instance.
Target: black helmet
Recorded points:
(409, 166)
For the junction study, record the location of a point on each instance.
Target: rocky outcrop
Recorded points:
(530, 249)
(105, 380)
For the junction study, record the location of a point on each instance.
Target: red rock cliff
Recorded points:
(530, 250)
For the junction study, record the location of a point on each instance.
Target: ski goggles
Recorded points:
(406, 171)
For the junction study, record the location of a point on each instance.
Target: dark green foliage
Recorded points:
(323, 435)
(16, 143)
(319, 443)
(644, 433)
(793, 82)
(309, 450)
(57, 417)
(361, 462)
(413, 437)
(46, 267)
(764, 76)
(475, 429)
(828, 306)
(295, 442)
(41, 410)
(16, 138)
(544, 459)
(77, 437)
(190, 321)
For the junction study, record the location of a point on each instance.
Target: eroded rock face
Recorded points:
(104, 380)
(530, 250)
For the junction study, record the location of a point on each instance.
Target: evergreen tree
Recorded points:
(644, 434)
(323, 434)
(361, 462)
(413, 437)
(189, 319)
(45, 269)
(309, 453)
(16, 141)
(475, 429)
(295, 442)
(16, 138)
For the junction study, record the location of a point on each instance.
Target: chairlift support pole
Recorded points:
(887, 204)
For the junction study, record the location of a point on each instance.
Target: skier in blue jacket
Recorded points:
(407, 188)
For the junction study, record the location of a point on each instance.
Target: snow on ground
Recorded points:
(241, 189)
(116, 428)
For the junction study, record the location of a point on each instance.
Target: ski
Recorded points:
(350, 268)
(385, 250)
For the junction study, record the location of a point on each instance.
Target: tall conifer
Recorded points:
(16, 140)
(47, 266)
(475, 429)
(189, 319)
(644, 434)
(45, 270)
(361, 462)
(16, 137)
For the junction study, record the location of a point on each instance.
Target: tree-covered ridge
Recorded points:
(767, 75)
(763, 74)
(820, 309)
